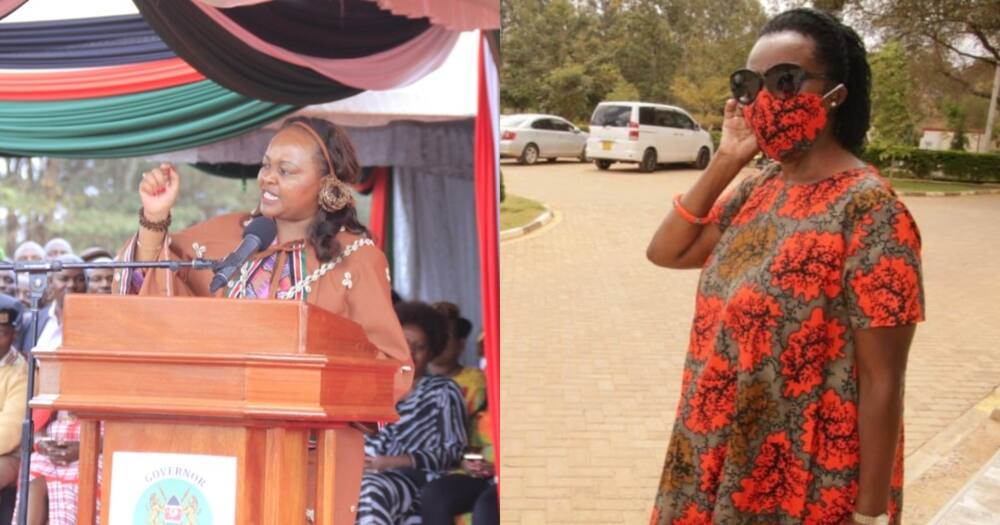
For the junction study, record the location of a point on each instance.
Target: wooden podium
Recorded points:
(243, 379)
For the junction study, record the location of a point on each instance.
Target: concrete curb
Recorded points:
(948, 193)
(513, 233)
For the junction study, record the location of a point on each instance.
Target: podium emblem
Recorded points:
(154, 488)
(172, 502)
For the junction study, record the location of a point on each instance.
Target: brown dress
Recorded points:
(368, 300)
(767, 425)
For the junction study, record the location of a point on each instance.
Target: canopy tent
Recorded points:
(424, 132)
(143, 101)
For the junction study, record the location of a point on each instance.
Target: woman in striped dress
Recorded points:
(429, 438)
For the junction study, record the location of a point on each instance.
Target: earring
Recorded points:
(335, 195)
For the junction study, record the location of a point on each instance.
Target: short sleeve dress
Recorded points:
(767, 425)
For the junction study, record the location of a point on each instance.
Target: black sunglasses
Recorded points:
(782, 80)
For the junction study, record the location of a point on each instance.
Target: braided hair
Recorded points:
(842, 51)
(433, 323)
(325, 225)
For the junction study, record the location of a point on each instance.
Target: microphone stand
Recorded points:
(38, 278)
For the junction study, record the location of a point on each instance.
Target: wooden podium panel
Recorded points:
(243, 379)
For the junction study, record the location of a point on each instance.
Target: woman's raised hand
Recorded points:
(737, 139)
(158, 191)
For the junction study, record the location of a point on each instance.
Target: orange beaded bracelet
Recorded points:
(688, 216)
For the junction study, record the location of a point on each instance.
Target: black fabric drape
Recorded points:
(232, 170)
(328, 29)
(90, 42)
(223, 58)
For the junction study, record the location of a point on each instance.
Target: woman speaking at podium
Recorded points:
(322, 254)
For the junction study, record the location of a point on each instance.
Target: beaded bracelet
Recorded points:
(687, 215)
(159, 226)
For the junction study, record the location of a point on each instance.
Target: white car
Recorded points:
(532, 137)
(647, 134)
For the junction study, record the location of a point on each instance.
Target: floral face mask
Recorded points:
(786, 126)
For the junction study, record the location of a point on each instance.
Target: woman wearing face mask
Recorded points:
(791, 399)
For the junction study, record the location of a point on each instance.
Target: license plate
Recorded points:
(607, 144)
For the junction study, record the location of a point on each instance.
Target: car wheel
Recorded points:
(602, 165)
(703, 157)
(583, 154)
(648, 164)
(529, 155)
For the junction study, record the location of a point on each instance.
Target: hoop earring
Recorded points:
(335, 195)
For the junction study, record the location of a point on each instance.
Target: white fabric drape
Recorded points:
(434, 243)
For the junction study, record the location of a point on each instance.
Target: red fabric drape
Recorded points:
(486, 223)
(376, 221)
(97, 82)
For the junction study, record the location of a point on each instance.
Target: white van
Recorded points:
(648, 134)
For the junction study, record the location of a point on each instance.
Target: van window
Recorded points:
(686, 122)
(542, 123)
(665, 118)
(647, 116)
(612, 116)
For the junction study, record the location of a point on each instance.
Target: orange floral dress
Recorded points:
(767, 425)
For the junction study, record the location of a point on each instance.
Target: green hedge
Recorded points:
(930, 164)
(716, 137)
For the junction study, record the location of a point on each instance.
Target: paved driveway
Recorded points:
(593, 338)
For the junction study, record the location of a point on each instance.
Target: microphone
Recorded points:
(257, 236)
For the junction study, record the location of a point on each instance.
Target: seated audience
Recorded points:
(95, 252)
(56, 247)
(50, 317)
(472, 489)
(471, 380)
(99, 279)
(13, 385)
(23, 295)
(429, 437)
(8, 281)
(13, 395)
(55, 466)
(29, 251)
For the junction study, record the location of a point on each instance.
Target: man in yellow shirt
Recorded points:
(13, 391)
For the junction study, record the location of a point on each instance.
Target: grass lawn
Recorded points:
(517, 211)
(926, 185)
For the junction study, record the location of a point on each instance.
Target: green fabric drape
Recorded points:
(132, 125)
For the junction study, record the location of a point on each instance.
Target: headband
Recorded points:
(322, 145)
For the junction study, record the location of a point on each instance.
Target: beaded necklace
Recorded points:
(305, 285)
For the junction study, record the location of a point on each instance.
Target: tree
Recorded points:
(962, 30)
(566, 57)
(720, 36)
(649, 49)
(892, 116)
(955, 114)
(95, 202)
(623, 90)
(567, 88)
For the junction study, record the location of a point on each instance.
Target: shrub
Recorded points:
(716, 137)
(930, 164)
(503, 188)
